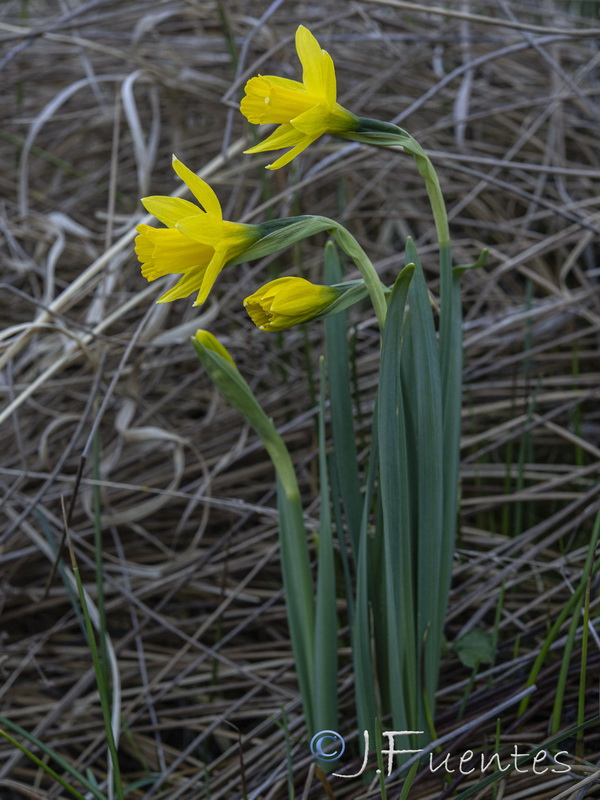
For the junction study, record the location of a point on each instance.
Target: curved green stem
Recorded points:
(351, 247)
(434, 193)
(385, 134)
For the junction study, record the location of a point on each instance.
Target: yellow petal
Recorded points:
(199, 188)
(255, 103)
(203, 229)
(313, 122)
(283, 136)
(169, 210)
(234, 237)
(311, 57)
(191, 281)
(287, 157)
(328, 78)
(286, 83)
(212, 273)
(269, 100)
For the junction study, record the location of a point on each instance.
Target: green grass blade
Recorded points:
(572, 606)
(43, 766)
(584, 665)
(381, 767)
(51, 754)
(104, 699)
(519, 762)
(336, 505)
(582, 593)
(102, 674)
(408, 781)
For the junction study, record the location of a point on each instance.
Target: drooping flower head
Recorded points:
(304, 111)
(284, 302)
(197, 241)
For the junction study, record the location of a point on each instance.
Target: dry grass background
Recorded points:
(95, 98)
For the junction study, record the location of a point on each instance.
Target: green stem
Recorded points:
(280, 456)
(385, 134)
(351, 247)
(434, 192)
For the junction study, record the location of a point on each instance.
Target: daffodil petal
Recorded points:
(311, 56)
(210, 276)
(202, 229)
(328, 78)
(171, 252)
(287, 157)
(169, 210)
(312, 122)
(283, 136)
(199, 188)
(187, 285)
(255, 103)
(288, 301)
(286, 83)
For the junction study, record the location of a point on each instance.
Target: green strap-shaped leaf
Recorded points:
(326, 623)
(396, 501)
(451, 364)
(362, 630)
(342, 417)
(421, 383)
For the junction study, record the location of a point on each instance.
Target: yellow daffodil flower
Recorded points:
(284, 302)
(210, 342)
(304, 111)
(197, 241)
